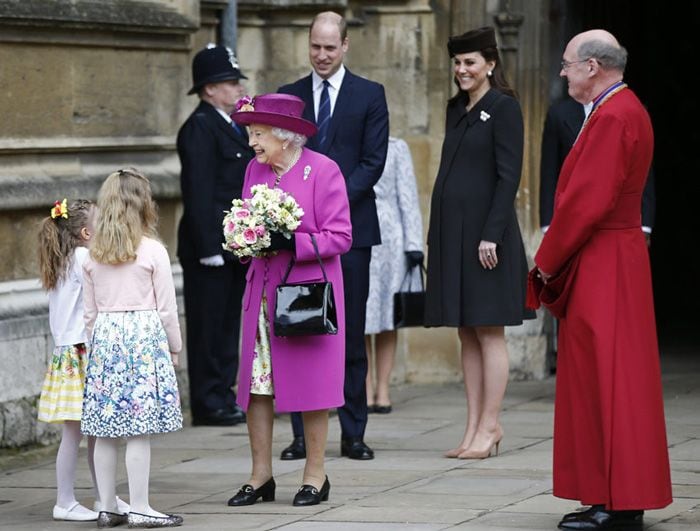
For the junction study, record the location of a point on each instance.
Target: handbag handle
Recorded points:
(422, 271)
(292, 261)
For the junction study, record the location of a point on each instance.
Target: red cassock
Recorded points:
(609, 428)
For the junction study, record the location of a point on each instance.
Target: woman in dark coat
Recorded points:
(476, 261)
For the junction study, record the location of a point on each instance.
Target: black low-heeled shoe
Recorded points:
(247, 495)
(310, 495)
(383, 410)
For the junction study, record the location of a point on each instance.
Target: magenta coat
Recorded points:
(308, 372)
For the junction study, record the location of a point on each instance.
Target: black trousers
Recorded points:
(213, 316)
(353, 414)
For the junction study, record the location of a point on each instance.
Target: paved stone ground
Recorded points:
(409, 486)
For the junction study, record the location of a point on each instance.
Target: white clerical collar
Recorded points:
(335, 80)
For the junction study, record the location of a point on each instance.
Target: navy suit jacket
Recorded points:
(358, 139)
(564, 120)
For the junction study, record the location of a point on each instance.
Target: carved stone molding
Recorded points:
(111, 23)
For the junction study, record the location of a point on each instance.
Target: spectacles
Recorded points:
(566, 64)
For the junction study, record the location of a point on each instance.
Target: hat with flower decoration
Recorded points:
(278, 110)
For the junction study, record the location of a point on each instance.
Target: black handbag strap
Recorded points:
(292, 261)
(422, 271)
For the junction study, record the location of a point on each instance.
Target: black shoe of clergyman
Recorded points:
(594, 519)
(578, 514)
(220, 417)
(356, 449)
(296, 450)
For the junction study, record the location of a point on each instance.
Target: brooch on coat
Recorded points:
(307, 172)
(484, 116)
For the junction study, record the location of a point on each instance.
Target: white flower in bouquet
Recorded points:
(248, 224)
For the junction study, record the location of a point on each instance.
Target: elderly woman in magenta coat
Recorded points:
(300, 373)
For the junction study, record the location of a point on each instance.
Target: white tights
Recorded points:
(67, 461)
(138, 468)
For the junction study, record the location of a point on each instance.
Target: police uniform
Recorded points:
(213, 155)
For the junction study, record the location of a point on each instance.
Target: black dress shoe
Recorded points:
(594, 519)
(296, 450)
(577, 514)
(247, 495)
(310, 495)
(356, 449)
(220, 417)
(238, 414)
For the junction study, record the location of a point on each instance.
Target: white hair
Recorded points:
(295, 139)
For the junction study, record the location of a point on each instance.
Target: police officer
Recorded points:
(213, 154)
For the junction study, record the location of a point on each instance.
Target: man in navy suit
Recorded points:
(353, 120)
(213, 154)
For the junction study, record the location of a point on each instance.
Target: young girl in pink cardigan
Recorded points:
(132, 322)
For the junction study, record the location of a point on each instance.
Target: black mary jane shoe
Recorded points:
(296, 450)
(310, 495)
(596, 518)
(247, 495)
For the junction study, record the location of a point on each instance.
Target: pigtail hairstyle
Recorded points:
(127, 213)
(59, 235)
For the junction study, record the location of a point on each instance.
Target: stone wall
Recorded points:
(88, 86)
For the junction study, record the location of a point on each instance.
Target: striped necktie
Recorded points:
(324, 115)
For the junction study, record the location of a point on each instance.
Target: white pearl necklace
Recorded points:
(295, 158)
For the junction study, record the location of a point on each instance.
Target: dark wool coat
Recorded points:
(473, 200)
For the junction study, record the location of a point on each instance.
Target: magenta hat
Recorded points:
(278, 110)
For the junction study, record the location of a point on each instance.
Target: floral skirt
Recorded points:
(62, 393)
(131, 388)
(261, 375)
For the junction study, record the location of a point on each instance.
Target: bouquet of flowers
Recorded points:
(248, 224)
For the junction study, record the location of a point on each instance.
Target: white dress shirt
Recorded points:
(317, 86)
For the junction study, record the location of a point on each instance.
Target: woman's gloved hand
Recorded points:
(279, 242)
(414, 258)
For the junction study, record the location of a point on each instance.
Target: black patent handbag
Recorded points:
(409, 306)
(305, 309)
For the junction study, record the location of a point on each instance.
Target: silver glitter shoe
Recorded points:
(145, 521)
(107, 519)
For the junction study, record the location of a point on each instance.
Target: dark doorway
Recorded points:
(660, 38)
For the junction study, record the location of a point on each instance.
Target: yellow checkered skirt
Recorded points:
(62, 393)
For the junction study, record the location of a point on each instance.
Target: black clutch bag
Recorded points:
(409, 306)
(306, 309)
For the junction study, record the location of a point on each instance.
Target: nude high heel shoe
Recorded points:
(483, 454)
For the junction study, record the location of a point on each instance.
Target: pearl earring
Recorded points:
(490, 73)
